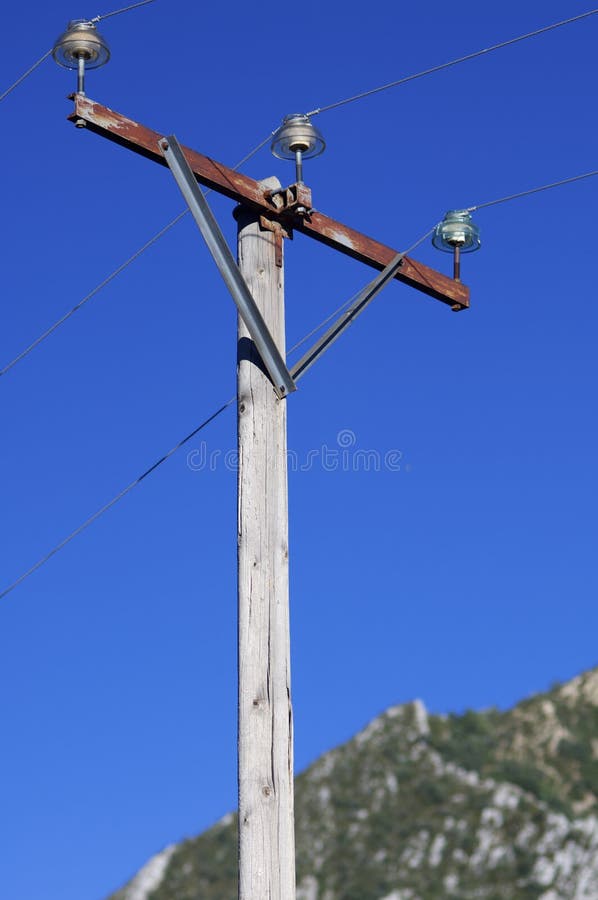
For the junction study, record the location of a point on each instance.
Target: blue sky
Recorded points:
(467, 578)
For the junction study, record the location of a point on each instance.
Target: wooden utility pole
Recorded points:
(265, 759)
(266, 831)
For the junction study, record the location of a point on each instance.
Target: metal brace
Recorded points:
(279, 232)
(212, 234)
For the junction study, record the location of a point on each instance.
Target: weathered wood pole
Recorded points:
(266, 818)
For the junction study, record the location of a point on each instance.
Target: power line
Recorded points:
(536, 190)
(362, 301)
(328, 319)
(26, 74)
(100, 512)
(356, 303)
(42, 337)
(251, 153)
(133, 484)
(171, 224)
(45, 334)
(453, 62)
(48, 53)
(352, 301)
(117, 12)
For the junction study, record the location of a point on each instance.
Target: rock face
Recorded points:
(420, 807)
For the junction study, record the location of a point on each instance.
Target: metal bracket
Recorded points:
(294, 200)
(248, 309)
(279, 232)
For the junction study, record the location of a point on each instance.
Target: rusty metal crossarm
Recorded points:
(244, 190)
(367, 250)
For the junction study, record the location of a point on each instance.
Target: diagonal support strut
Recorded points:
(363, 299)
(207, 224)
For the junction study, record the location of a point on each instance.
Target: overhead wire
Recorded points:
(535, 190)
(26, 74)
(362, 95)
(117, 12)
(394, 263)
(353, 300)
(355, 304)
(452, 62)
(109, 278)
(100, 512)
(324, 322)
(133, 484)
(361, 302)
(45, 334)
(49, 52)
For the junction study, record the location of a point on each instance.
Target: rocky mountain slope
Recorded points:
(422, 807)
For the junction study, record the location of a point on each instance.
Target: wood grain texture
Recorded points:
(266, 818)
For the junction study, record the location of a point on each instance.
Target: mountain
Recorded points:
(494, 805)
